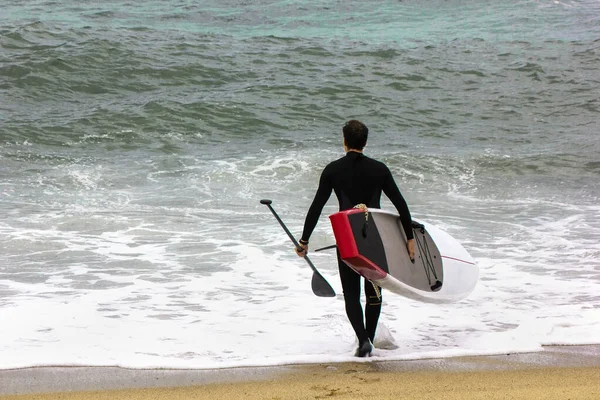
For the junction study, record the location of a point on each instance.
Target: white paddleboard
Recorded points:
(375, 247)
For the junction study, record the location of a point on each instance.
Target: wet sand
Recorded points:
(565, 372)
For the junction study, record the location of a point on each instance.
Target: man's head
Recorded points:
(355, 135)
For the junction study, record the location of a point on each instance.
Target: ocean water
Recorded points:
(137, 138)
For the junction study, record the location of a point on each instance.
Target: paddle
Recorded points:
(333, 246)
(320, 286)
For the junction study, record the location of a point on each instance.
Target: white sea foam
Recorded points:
(262, 313)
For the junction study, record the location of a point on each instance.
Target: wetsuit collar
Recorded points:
(353, 154)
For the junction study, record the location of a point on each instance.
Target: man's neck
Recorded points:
(354, 151)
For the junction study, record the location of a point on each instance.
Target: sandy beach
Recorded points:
(566, 372)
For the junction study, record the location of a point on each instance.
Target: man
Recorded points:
(357, 179)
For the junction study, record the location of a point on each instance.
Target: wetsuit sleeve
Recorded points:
(393, 193)
(314, 212)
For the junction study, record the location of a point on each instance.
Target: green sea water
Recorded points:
(136, 139)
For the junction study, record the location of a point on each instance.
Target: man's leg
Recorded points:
(351, 287)
(373, 308)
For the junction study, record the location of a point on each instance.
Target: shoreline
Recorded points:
(579, 365)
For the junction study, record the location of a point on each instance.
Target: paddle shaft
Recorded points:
(291, 236)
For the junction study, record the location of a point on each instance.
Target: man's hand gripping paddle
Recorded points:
(320, 286)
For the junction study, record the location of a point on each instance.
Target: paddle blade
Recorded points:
(321, 287)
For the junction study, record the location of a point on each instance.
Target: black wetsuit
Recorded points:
(357, 179)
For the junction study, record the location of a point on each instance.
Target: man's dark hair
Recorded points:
(355, 134)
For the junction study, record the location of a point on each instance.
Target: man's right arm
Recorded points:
(314, 212)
